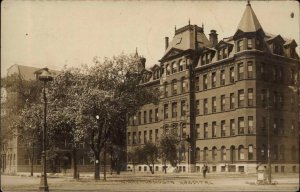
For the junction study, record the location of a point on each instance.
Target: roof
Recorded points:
(26, 72)
(249, 21)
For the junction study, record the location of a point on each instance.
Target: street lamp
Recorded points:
(45, 77)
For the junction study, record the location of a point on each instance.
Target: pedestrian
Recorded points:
(204, 170)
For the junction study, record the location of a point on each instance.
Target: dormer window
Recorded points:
(292, 52)
(249, 44)
(207, 58)
(277, 49)
(239, 45)
(224, 53)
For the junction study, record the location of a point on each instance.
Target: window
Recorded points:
(250, 125)
(140, 118)
(263, 98)
(275, 151)
(214, 129)
(150, 136)
(241, 125)
(280, 74)
(275, 128)
(223, 128)
(205, 106)
(275, 95)
(214, 104)
(204, 82)
(249, 44)
(156, 114)
(263, 152)
(224, 54)
(232, 127)
(213, 79)
(214, 153)
(223, 153)
(241, 98)
(129, 138)
(166, 109)
(281, 127)
(197, 83)
(197, 107)
(183, 108)
(241, 71)
(263, 71)
(232, 100)
(140, 137)
(231, 71)
(166, 90)
(134, 120)
(198, 130)
(145, 136)
(222, 77)
(293, 127)
(145, 117)
(205, 153)
(239, 45)
(197, 154)
(280, 100)
(156, 134)
(183, 85)
(180, 65)
(293, 152)
(205, 130)
(281, 152)
(174, 87)
(150, 116)
(174, 109)
(241, 152)
(134, 138)
(207, 58)
(223, 103)
(250, 97)
(263, 125)
(183, 130)
(174, 68)
(274, 73)
(250, 69)
(168, 70)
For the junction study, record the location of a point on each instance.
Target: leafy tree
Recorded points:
(135, 156)
(168, 150)
(149, 155)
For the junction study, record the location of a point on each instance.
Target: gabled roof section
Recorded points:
(249, 21)
(276, 38)
(172, 52)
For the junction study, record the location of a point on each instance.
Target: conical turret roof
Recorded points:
(249, 21)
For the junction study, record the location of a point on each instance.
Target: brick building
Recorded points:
(228, 97)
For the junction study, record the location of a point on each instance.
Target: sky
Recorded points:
(57, 33)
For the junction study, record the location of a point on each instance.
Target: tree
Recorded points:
(135, 156)
(149, 155)
(168, 150)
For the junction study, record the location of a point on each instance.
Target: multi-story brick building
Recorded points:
(233, 99)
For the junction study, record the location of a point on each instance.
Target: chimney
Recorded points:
(213, 37)
(166, 42)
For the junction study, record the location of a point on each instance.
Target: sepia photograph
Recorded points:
(136, 95)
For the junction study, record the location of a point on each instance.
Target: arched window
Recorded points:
(281, 152)
(214, 153)
(198, 154)
(174, 87)
(223, 153)
(250, 152)
(166, 89)
(232, 153)
(174, 67)
(181, 66)
(168, 69)
(183, 85)
(241, 152)
(205, 153)
(293, 153)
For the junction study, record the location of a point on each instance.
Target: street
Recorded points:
(156, 182)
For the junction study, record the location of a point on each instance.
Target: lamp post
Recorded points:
(44, 77)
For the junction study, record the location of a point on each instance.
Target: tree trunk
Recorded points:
(165, 166)
(152, 170)
(118, 165)
(75, 163)
(97, 167)
(104, 163)
(31, 166)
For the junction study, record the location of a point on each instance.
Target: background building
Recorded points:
(232, 99)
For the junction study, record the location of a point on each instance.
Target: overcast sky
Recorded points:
(58, 33)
